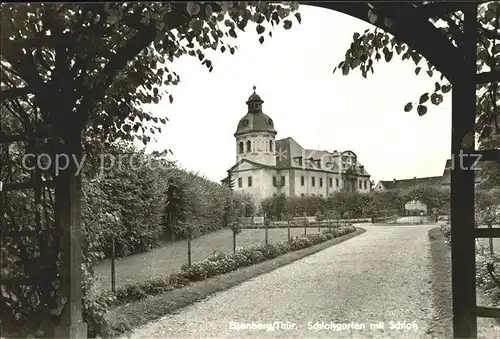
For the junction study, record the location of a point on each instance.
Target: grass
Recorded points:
(169, 257)
(144, 311)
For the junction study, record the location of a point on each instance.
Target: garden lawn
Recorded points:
(168, 258)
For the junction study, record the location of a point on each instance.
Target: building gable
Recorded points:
(247, 165)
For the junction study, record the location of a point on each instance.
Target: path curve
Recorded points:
(378, 277)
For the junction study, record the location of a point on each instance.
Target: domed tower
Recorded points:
(255, 135)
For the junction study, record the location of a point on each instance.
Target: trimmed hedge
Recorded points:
(357, 205)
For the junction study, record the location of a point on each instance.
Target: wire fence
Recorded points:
(168, 258)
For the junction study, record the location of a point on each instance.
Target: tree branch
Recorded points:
(15, 92)
(145, 36)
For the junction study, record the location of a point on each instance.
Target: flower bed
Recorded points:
(221, 263)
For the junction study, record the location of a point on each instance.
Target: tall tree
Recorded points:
(94, 65)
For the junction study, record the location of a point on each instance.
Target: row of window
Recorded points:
(249, 182)
(362, 184)
(330, 182)
(241, 146)
(303, 195)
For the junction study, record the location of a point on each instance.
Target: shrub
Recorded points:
(299, 243)
(483, 259)
(357, 205)
(201, 206)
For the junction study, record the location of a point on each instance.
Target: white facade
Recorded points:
(266, 167)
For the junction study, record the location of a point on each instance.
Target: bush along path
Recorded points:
(106, 325)
(483, 277)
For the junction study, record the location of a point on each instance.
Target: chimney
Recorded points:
(394, 180)
(414, 178)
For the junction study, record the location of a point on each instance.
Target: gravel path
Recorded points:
(380, 277)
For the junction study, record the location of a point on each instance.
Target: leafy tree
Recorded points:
(93, 66)
(374, 44)
(86, 70)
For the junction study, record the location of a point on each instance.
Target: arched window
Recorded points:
(240, 147)
(249, 146)
(270, 145)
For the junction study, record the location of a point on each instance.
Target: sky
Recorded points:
(293, 73)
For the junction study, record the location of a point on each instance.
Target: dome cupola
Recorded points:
(255, 120)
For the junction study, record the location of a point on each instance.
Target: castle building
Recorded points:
(267, 167)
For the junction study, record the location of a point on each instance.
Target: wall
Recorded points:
(260, 152)
(262, 183)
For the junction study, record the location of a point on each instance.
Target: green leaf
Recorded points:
(299, 18)
(260, 29)
(209, 10)
(446, 88)
(232, 33)
(417, 70)
(437, 87)
(388, 56)
(171, 98)
(287, 24)
(421, 110)
(355, 36)
(423, 98)
(261, 39)
(496, 49)
(345, 69)
(196, 24)
(112, 19)
(408, 107)
(430, 72)
(193, 8)
(434, 98)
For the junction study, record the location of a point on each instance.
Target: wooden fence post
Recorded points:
(288, 222)
(234, 241)
(113, 273)
(189, 248)
(266, 229)
(490, 225)
(305, 224)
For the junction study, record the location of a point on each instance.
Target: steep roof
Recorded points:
(291, 153)
(255, 120)
(407, 183)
